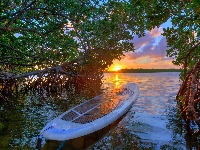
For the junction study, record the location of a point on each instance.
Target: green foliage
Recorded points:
(183, 36)
(2, 126)
(41, 41)
(53, 32)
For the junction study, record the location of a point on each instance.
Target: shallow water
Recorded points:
(148, 124)
(152, 122)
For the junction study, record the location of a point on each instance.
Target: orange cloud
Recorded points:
(156, 32)
(150, 52)
(144, 62)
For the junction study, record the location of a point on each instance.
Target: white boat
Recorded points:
(91, 115)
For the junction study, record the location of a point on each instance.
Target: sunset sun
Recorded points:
(117, 68)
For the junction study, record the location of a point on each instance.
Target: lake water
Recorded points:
(152, 122)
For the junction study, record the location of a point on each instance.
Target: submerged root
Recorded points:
(189, 97)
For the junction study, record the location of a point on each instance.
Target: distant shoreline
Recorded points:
(143, 70)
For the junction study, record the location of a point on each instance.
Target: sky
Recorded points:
(150, 52)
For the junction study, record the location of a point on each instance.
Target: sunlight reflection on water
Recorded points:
(152, 122)
(147, 125)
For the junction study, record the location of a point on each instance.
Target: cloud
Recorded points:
(152, 45)
(156, 32)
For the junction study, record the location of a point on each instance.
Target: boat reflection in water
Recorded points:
(80, 143)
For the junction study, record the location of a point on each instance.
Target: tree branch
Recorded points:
(10, 63)
(20, 12)
(21, 58)
(193, 48)
(15, 49)
(18, 29)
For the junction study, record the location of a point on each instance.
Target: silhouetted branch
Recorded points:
(18, 14)
(8, 29)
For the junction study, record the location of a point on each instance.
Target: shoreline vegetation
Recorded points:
(140, 70)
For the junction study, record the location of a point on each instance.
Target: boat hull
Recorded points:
(92, 115)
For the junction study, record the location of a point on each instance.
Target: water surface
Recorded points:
(152, 123)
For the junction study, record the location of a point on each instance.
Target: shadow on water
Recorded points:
(181, 139)
(80, 143)
(24, 114)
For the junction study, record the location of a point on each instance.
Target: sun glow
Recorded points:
(117, 68)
